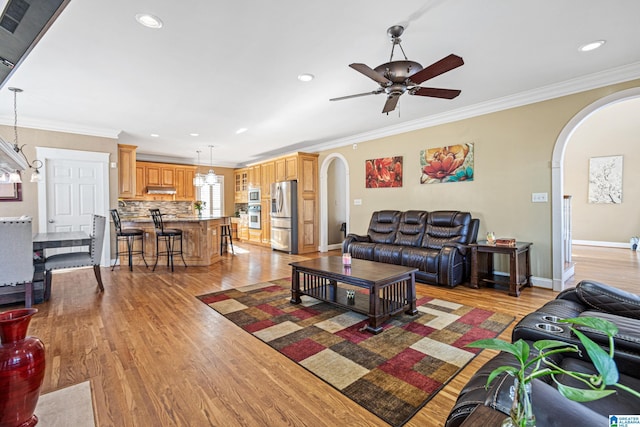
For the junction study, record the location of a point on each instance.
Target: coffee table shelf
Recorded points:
(391, 288)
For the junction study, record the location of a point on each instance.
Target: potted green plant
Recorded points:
(541, 365)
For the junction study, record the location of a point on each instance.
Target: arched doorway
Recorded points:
(557, 185)
(334, 199)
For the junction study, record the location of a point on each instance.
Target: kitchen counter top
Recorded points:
(172, 218)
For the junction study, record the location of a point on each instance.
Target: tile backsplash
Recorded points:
(134, 208)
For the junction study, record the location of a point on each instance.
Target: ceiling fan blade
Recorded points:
(390, 105)
(436, 92)
(447, 63)
(371, 73)
(375, 92)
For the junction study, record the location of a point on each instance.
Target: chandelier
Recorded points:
(14, 177)
(198, 179)
(211, 177)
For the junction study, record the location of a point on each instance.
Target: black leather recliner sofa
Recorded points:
(590, 299)
(436, 243)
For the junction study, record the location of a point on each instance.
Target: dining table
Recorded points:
(52, 240)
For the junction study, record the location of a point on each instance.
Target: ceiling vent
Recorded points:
(13, 15)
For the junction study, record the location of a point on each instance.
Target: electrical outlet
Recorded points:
(357, 202)
(539, 197)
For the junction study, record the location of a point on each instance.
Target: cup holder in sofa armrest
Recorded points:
(548, 327)
(551, 319)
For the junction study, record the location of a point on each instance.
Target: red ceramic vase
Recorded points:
(21, 369)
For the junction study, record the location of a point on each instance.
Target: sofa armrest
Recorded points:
(459, 246)
(353, 238)
(608, 299)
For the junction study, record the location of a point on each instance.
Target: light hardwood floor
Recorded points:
(157, 356)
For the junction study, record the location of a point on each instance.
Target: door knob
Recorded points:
(50, 221)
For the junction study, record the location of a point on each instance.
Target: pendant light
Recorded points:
(198, 179)
(36, 164)
(211, 177)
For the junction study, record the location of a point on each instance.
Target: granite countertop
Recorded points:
(172, 218)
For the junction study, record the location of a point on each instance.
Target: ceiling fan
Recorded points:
(398, 77)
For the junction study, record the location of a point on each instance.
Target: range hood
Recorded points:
(10, 161)
(157, 189)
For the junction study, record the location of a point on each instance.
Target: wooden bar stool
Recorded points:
(169, 236)
(129, 235)
(226, 237)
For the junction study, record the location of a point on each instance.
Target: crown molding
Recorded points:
(60, 127)
(568, 87)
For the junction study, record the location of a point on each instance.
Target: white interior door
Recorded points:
(75, 186)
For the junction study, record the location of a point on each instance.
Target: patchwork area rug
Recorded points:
(392, 374)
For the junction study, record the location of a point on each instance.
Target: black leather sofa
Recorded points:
(436, 243)
(588, 298)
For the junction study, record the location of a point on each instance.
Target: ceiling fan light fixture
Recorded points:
(149, 21)
(591, 45)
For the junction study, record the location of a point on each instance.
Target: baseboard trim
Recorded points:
(624, 245)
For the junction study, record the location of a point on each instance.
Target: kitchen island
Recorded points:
(200, 238)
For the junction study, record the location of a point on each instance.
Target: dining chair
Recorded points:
(79, 259)
(16, 255)
(128, 235)
(168, 236)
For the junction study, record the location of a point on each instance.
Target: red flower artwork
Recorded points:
(384, 172)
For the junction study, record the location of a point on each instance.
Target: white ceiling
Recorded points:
(217, 66)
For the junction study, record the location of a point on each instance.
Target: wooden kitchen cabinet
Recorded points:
(268, 177)
(185, 189)
(241, 185)
(126, 171)
(140, 182)
(166, 175)
(302, 167)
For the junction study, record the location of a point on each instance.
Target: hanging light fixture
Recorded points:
(211, 177)
(198, 179)
(36, 164)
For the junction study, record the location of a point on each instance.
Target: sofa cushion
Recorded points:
(446, 228)
(425, 260)
(627, 338)
(411, 228)
(362, 250)
(383, 226)
(606, 298)
(390, 254)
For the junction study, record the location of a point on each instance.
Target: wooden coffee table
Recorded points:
(392, 288)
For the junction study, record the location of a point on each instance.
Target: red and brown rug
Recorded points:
(392, 374)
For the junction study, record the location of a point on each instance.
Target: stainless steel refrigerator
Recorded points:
(284, 216)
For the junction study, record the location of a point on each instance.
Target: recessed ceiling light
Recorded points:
(149, 20)
(194, 134)
(306, 77)
(591, 46)
(241, 130)
(155, 135)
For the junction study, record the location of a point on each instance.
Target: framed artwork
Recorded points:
(605, 179)
(453, 163)
(10, 192)
(383, 172)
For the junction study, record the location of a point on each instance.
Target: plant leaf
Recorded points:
(492, 376)
(495, 344)
(547, 344)
(580, 394)
(605, 365)
(523, 350)
(601, 325)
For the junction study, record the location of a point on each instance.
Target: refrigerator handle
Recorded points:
(280, 199)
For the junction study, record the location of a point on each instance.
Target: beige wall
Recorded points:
(613, 130)
(38, 138)
(513, 150)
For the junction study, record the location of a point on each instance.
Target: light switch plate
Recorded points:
(357, 202)
(539, 197)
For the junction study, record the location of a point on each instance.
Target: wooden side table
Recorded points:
(519, 265)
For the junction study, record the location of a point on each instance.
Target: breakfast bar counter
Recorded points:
(201, 237)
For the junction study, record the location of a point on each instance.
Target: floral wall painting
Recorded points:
(384, 172)
(605, 179)
(453, 163)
